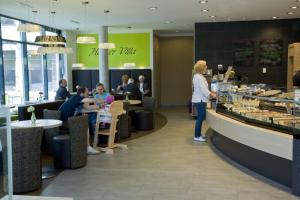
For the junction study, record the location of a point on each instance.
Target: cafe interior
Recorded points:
(98, 99)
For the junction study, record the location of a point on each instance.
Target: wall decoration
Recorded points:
(243, 53)
(270, 52)
(130, 48)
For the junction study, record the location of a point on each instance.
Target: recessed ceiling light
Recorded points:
(213, 16)
(274, 17)
(203, 1)
(290, 13)
(204, 10)
(153, 8)
(294, 7)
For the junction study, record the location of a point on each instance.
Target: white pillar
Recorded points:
(103, 58)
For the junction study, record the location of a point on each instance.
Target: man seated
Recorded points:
(74, 105)
(143, 86)
(132, 89)
(62, 93)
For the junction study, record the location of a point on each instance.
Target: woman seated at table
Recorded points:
(121, 86)
(75, 104)
(100, 93)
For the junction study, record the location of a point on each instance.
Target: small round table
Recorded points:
(44, 123)
(48, 171)
(133, 102)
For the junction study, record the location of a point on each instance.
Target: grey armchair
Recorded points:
(70, 151)
(52, 132)
(26, 154)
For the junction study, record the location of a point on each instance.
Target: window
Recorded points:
(53, 74)
(9, 29)
(30, 37)
(35, 69)
(13, 72)
(14, 62)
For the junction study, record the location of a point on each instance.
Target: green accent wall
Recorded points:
(85, 52)
(130, 48)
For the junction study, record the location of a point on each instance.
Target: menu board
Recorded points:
(243, 53)
(270, 53)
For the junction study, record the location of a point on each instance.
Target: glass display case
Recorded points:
(258, 105)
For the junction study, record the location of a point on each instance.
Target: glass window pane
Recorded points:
(30, 37)
(13, 73)
(35, 67)
(9, 29)
(53, 74)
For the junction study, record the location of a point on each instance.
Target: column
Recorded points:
(103, 58)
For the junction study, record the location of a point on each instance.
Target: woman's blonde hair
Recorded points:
(199, 67)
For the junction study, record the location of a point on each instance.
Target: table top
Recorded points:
(44, 123)
(133, 102)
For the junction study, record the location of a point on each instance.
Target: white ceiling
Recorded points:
(135, 13)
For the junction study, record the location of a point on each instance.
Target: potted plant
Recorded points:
(31, 110)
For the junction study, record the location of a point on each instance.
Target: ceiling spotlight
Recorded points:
(153, 8)
(294, 7)
(204, 10)
(274, 17)
(203, 2)
(213, 16)
(177, 31)
(290, 13)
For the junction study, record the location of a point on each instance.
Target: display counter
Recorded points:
(267, 152)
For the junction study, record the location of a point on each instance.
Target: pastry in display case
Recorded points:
(258, 105)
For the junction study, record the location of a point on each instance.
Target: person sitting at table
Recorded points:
(62, 93)
(132, 89)
(75, 104)
(100, 92)
(121, 86)
(143, 86)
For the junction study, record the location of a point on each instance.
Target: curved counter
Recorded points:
(267, 152)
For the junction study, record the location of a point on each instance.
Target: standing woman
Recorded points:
(200, 97)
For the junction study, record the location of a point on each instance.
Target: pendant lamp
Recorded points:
(107, 45)
(85, 39)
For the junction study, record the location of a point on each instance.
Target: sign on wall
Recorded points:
(130, 48)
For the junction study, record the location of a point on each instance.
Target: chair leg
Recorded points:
(95, 140)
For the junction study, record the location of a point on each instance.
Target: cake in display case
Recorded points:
(259, 105)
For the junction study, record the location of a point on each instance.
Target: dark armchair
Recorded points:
(26, 154)
(70, 150)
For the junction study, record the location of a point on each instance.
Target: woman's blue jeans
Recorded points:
(201, 114)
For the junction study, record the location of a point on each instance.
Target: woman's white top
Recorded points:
(200, 89)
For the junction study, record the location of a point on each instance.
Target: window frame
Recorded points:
(25, 66)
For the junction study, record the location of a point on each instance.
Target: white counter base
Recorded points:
(269, 141)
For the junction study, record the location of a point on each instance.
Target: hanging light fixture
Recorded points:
(28, 27)
(53, 49)
(85, 39)
(77, 65)
(52, 44)
(107, 45)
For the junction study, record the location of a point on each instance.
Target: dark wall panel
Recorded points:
(115, 77)
(214, 42)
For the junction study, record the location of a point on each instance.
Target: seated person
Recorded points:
(101, 94)
(76, 103)
(133, 89)
(62, 93)
(121, 86)
(144, 87)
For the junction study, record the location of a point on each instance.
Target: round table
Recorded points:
(133, 102)
(44, 123)
(48, 171)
